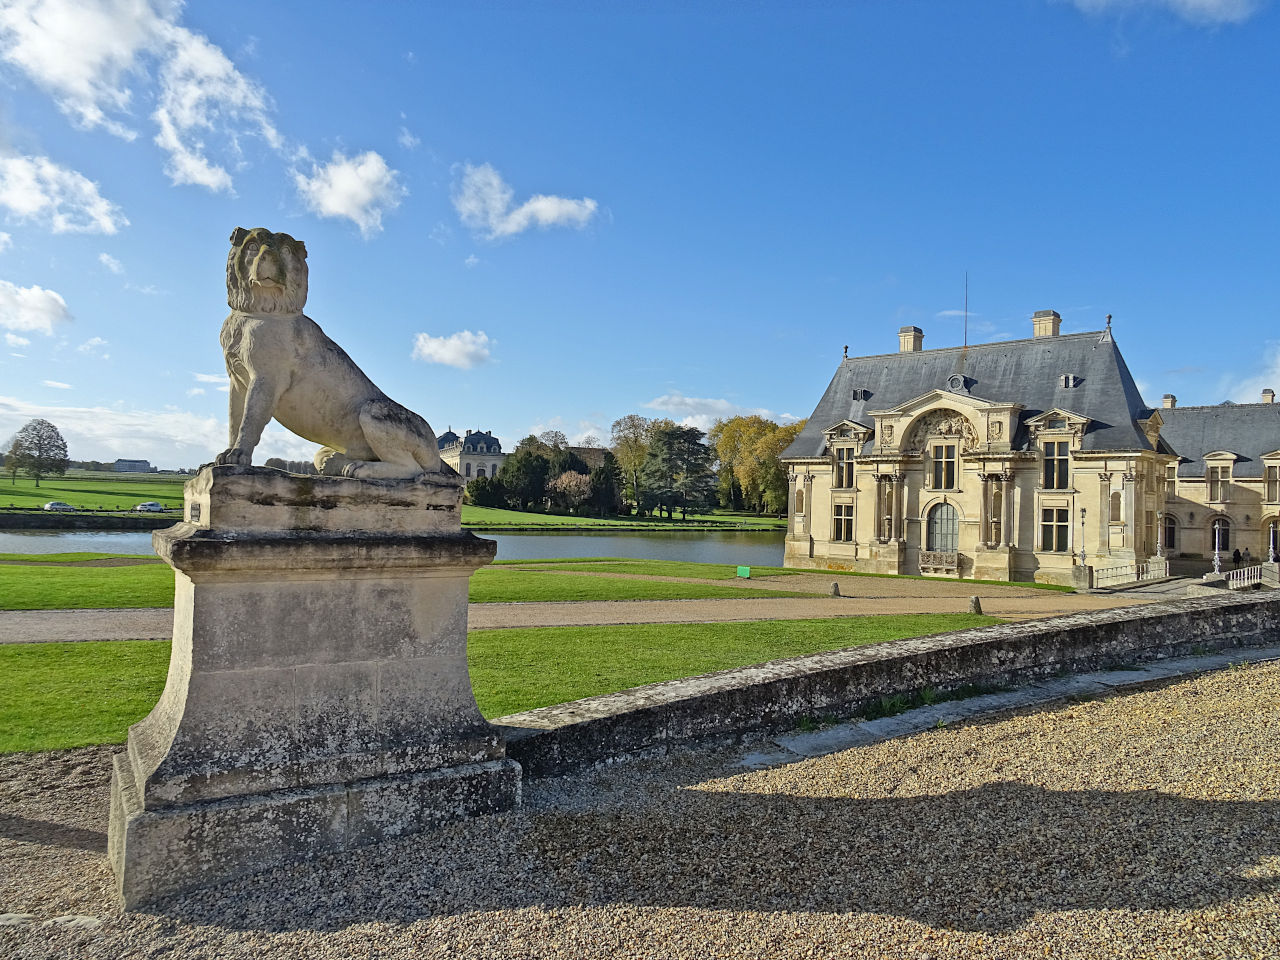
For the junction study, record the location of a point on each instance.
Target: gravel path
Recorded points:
(1142, 825)
(1011, 603)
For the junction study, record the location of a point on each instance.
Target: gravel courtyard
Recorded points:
(1142, 825)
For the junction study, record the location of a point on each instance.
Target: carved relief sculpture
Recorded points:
(995, 430)
(283, 366)
(942, 423)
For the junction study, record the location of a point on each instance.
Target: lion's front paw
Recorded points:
(235, 457)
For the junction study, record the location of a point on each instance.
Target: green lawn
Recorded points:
(94, 491)
(50, 586)
(480, 517)
(59, 695)
(655, 568)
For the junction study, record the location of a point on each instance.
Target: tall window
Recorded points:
(944, 466)
(1054, 522)
(468, 468)
(1273, 484)
(1171, 479)
(799, 501)
(844, 467)
(943, 529)
(1055, 465)
(842, 523)
(1170, 532)
(480, 471)
(1219, 483)
(1116, 509)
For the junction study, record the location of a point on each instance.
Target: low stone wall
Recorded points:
(56, 520)
(559, 739)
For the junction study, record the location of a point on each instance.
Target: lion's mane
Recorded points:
(291, 262)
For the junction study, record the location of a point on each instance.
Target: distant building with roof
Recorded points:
(132, 466)
(475, 454)
(1022, 460)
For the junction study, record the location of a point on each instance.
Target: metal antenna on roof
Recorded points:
(966, 308)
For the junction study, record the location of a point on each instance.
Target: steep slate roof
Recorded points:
(445, 439)
(1028, 372)
(1246, 429)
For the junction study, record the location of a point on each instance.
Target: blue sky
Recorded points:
(525, 216)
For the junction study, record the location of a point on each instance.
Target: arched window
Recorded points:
(1170, 532)
(1220, 535)
(479, 472)
(493, 469)
(943, 529)
(468, 468)
(799, 502)
(1116, 516)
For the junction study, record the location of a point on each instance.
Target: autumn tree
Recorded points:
(38, 450)
(749, 449)
(630, 436)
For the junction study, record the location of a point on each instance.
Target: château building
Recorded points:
(476, 454)
(1022, 460)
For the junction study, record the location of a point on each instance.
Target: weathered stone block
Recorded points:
(318, 693)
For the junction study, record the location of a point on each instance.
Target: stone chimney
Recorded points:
(1170, 401)
(1268, 395)
(910, 339)
(1045, 323)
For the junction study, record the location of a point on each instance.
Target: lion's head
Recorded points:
(266, 272)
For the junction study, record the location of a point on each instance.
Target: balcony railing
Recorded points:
(1155, 569)
(939, 561)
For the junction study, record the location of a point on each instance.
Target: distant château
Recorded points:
(477, 454)
(1023, 460)
(132, 466)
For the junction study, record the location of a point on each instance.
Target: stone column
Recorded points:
(808, 503)
(1129, 518)
(1006, 528)
(318, 697)
(984, 518)
(1104, 511)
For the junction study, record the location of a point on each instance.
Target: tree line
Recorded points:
(653, 466)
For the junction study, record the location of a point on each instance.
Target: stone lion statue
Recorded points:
(282, 365)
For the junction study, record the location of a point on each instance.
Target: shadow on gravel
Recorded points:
(985, 859)
(51, 834)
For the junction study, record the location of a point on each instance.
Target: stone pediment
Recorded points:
(975, 423)
(1058, 419)
(1222, 455)
(943, 397)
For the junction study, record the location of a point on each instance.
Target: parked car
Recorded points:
(58, 505)
(149, 507)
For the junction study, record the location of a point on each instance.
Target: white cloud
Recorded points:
(56, 384)
(37, 189)
(202, 92)
(359, 188)
(87, 54)
(702, 412)
(221, 380)
(472, 260)
(1249, 390)
(483, 201)
(94, 345)
(196, 392)
(13, 340)
(82, 53)
(407, 139)
(463, 349)
(31, 308)
(1195, 11)
(6, 241)
(111, 263)
(168, 437)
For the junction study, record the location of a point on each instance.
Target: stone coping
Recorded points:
(554, 740)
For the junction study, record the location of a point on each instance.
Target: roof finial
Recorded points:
(1108, 321)
(846, 351)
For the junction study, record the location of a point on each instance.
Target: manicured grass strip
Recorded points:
(669, 568)
(59, 695)
(536, 586)
(92, 492)
(473, 516)
(520, 669)
(73, 557)
(53, 587)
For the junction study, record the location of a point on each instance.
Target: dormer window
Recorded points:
(1057, 423)
(1069, 380)
(1219, 480)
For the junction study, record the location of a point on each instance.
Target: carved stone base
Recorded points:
(318, 696)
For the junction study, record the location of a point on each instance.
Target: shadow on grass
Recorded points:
(983, 859)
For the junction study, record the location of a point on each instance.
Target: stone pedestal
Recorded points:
(318, 696)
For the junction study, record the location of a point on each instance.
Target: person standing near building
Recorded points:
(1235, 558)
